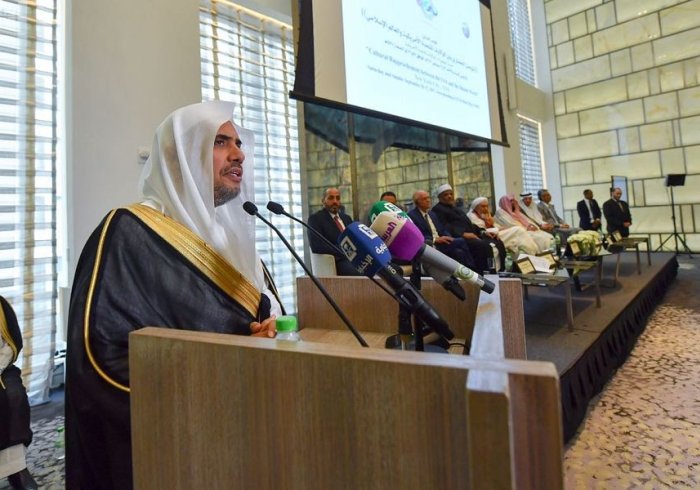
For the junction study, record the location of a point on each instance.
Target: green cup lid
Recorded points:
(286, 323)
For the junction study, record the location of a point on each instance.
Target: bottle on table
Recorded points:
(492, 261)
(287, 328)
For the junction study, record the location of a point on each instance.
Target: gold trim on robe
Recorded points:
(5, 332)
(202, 256)
(194, 249)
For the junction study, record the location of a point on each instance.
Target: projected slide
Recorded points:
(418, 59)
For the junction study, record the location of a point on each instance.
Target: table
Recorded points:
(575, 267)
(559, 278)
(631, 243)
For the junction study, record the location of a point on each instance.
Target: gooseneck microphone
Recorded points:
(405, 241)
(370, 256)
(278, 209)
(252, 210)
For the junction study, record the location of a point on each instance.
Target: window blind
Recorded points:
(531, 155)
(248, 59)
(521, 38)
(28, 104)
(530, 134)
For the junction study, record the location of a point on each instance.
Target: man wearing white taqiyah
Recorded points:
(183, 258)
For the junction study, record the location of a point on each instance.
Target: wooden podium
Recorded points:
(221, 411)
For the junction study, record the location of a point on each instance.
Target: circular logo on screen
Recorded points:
(428, 8)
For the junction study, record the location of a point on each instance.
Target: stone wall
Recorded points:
(400, 170)
(326, 166)
(626, 88)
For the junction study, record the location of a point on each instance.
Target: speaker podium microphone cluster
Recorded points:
(370, 251)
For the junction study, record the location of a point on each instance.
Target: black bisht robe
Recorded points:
(14, 405)
(136, 271)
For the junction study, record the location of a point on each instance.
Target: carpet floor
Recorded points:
(643, 429)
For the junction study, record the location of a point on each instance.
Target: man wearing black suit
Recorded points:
(588, 212)
(330, 222)
(458, 225)
(434, 231)
(617, 214)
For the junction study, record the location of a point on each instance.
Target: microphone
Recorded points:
(278, 209)
(370, 256)
(380, 206)
(252, 210)
(404, 323)
(447, 280)
(405, 241)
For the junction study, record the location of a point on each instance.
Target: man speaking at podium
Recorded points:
(183, 258)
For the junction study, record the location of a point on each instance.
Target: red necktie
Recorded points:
(338, 223)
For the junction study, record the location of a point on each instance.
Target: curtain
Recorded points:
(28, 105)
(248, 58)
(531, 155)
(521, 36)
(532, 166)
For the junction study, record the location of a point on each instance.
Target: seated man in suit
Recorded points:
(588, 211)
(550, 215)
(389, 196)
(330, 222)
(457, 224)
(434, 231)
(617, 214)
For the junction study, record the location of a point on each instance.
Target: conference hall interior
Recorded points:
(569, 358)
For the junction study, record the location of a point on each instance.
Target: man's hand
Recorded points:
(627, 224)
(564, 226)
(469, 236)
(443, 240)
(490, 234)
(268, 328)
(547, 226)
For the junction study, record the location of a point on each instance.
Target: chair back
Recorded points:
(323, 265)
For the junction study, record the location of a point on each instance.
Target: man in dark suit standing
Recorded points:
(330, 222)
(617, 214)
(588, 211)
(434, 231)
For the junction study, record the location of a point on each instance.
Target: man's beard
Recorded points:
(223, 194)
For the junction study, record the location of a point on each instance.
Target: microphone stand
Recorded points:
(405, 315)
(417, 326)
(277, 208)
(412, 326)
(320, 287)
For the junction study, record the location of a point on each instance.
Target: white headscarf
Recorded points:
(178, 179)
(531, 210)
(473, 216)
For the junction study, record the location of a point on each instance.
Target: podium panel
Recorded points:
(221, 411)
(372, 310)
